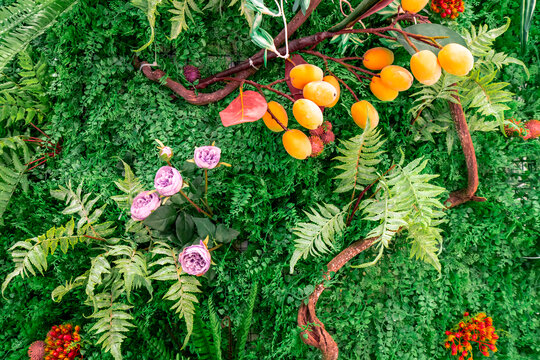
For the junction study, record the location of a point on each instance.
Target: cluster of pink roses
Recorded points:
(195, 259)
(168, 180)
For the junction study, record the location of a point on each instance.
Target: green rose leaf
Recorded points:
(205, 227)
(162, 218)
(225, 235)
(430, 30)
(185, 228)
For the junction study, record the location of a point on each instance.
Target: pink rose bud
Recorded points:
(168, 181)
(166, 153)
(195, 259)
(207, 157)
(144, 204)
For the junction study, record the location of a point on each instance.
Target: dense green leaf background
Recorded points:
(104, 109)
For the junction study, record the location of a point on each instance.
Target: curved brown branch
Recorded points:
(461, 196)
(202, 98)
(318, 336)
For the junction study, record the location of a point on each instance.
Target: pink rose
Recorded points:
(166, 153)
(195, 259)
(207, 157)
(168, 181)
(144, 204)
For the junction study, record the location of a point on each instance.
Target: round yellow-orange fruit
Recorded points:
(396, 77)
(303, 74)
(381, 91)
(335, 83)
(413, 6)
(377, 58)
(360, 112)
(297, 144)
(456, 59)
(307, 113)
(320, 92)
(425, 67)
(279, 112)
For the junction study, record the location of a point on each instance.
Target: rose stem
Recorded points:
(206, 191)
(195, 205)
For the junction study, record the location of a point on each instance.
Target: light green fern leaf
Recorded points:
(429, 96)
(25, 20)
(60, 291)
(130, 186)
(183, 291)
(487, 97)
(133, 267)
(316, 237)
(425, 244)
(100, 266)
(495, 61)
(412, 190)
(79, 203)
(113, 320)
(30, 256)
(149, 7)
(479, 41)
(359, 157)
(181, 9)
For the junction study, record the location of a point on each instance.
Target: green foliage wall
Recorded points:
(104, 109)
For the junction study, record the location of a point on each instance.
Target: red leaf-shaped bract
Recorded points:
(248, 107)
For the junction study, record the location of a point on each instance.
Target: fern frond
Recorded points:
(183, 291)
(100, 266)
(181, 9)
(245, 323)
(412, 190)
(425, 244)
(359, 156)
(316, 237)
(30, 256)
(215, 328)
(60, 291)
(133, 267)
(112, 320)
(202, 338)
(25, 98)
(387, 210)
(130, 186)
(492, 61)
(149, 7)
(488, 97)
(141, 233)
(429, 96)
(12, 169)
(161, 350)
(79, 204)
(479, 41)
(25, 20)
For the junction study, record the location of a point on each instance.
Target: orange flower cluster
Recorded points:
(478, 329)
(450, 8)
(63, 342)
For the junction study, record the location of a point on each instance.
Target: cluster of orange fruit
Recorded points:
(63, 343)
(426, 67)
(318, 91)
(478, 329)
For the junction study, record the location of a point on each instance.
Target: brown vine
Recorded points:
(468, 194)
(307, 319)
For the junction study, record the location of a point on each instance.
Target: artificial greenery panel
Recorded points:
(71, 253)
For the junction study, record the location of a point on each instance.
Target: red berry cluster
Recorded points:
(478, 329)
(319, 137)
(63, 342)
(448, 8)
